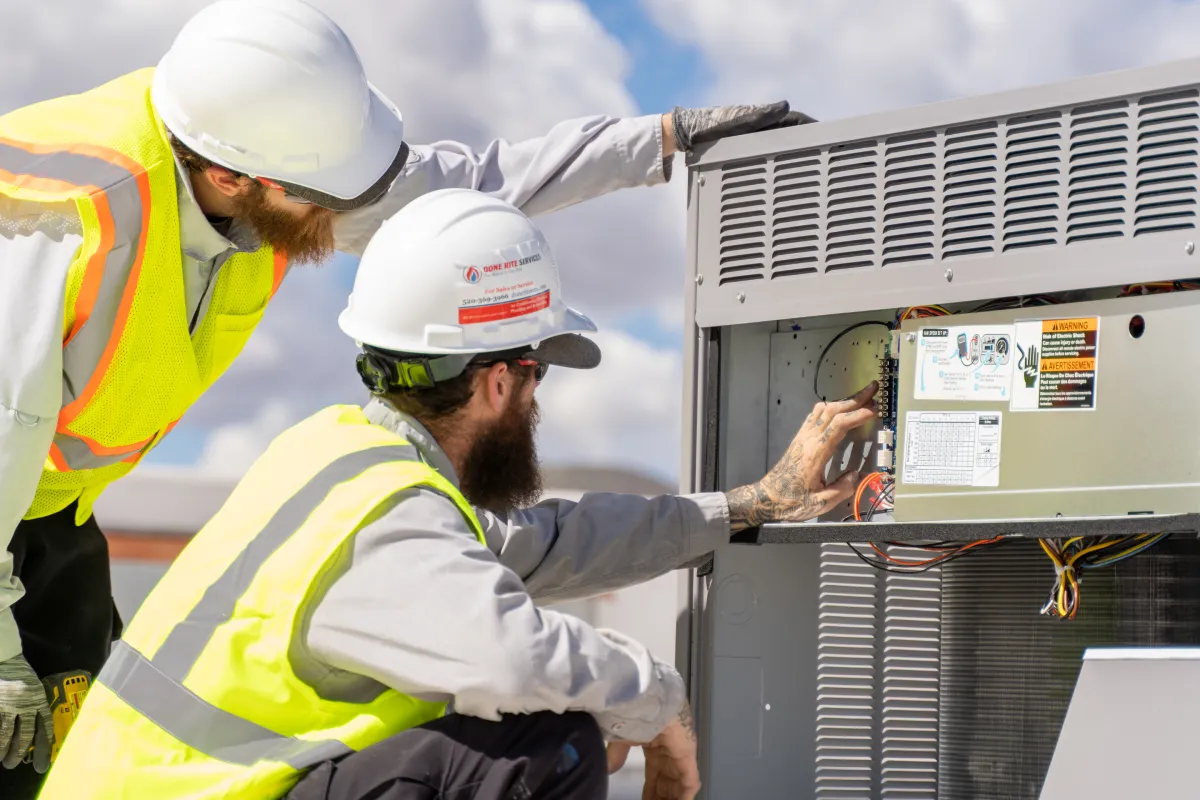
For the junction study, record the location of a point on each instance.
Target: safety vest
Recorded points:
(199, 700)
(131, 368)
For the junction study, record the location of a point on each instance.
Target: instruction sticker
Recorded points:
(965, 363)
(952, 448)
(1056, 364)
(504, 285)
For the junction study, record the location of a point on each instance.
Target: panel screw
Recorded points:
(741, 297)
(699, 279)
(912, 337)
(949, 275)
(701, 180)
(1189, 248)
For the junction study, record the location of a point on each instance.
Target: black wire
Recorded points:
(902, 570)
(832, 342)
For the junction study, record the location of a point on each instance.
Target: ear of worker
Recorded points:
(693, 126)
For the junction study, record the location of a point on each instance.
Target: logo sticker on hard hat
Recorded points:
(506, 284)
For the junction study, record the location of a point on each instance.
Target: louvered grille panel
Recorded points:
(909, 197)
(846, 676)
(1166, 163)
(1032, 180)
(1061, 177)
(743, 243)
(909, 729)
(1098, 183)
(796, 232)
(970, 169)
(852, 210)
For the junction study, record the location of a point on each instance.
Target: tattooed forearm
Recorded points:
(780, 496)
(686, 720)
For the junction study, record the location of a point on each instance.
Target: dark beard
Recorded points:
(308, 240)
(501, 471)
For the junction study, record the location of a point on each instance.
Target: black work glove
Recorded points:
(695, 126)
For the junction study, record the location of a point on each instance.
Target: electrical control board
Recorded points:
(1064, 410)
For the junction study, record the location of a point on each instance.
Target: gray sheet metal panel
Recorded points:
(1004, 194)
(1158, 760)
(756, 751)
(1118, 459)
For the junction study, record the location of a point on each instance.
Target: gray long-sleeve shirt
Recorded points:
(577, 160)
(415, 602)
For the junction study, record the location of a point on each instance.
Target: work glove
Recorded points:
(695, 126)
(24, 716)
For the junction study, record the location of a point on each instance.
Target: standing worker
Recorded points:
(145, 226)
(377, 563)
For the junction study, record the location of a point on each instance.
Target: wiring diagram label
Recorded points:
(1056, 364)
(965, 363)
(952, 448)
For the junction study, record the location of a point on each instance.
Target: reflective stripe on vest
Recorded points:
(154, 687)
(120, 192)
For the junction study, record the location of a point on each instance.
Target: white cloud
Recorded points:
(469, 70)
(232, 449)
(835, 58)
(615, 413)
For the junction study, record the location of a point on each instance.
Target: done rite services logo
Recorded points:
(472, 274)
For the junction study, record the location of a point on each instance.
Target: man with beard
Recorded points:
(379, 563)
(144, 227)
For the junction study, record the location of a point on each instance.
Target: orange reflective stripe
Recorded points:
(57, 458)
(73, 409)
(280, 270)
(101, 450)
(94, 272)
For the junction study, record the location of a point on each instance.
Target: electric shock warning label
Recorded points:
(965, 363)
(952, 448)
(1056, 365)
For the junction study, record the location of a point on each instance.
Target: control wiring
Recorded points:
(1080, 553)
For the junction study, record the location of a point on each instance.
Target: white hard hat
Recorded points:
(274, 89)
(457, 273)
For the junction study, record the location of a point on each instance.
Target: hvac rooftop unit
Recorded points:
(1016, 269)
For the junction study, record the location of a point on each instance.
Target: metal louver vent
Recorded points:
(910, 172)
(1166, 163)
(796, 234)
(969, 190)
(1098, 182)
(877, 680)
(852, 215)
(743, 221)
(845, 676)
(1032, 180)
(911, 659)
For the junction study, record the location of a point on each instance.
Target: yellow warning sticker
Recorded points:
(1056, 364)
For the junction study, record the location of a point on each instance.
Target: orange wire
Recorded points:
(926, 562)
(862, 486)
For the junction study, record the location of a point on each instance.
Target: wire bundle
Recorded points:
(940, 553)
(917, 312)
(1157, 287)
(1075, 555)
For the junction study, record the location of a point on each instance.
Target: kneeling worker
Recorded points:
(377, 563)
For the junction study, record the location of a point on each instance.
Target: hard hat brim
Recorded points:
(570, 350)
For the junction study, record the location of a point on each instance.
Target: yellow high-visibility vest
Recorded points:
(131, 368)
(199, 700)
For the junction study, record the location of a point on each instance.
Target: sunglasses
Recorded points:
(540, 368)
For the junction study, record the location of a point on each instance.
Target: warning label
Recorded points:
(952, 448)
(1056, 365)
(504, 285)
(965, 363)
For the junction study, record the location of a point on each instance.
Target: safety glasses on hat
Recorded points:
(305, 195)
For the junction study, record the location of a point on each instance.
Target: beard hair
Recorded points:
(305, 240)
(501, 472)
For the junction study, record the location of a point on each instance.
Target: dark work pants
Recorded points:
(540, 756)
(67, 617)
